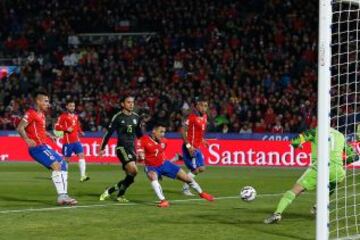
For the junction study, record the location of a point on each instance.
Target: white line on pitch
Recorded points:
(121, 204)
(63, 208)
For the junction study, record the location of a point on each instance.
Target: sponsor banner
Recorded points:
(219, 153)
(15, 149)
(227, 136)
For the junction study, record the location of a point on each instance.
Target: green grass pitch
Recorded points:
(28, 210)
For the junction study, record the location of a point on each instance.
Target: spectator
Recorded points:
(223, 51)
(245, 128)
(277, 128)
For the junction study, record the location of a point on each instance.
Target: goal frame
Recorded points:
(324, 87)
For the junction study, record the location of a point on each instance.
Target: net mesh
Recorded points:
(345, 114)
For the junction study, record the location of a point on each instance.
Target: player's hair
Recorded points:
(159, 124)
(69, 100)
(124, 97)
(199, 99)
(40, 92)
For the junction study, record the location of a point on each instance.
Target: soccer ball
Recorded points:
(248, 194)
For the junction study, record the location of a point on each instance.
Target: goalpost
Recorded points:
(338, 217)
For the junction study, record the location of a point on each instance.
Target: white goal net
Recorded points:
(344, 206)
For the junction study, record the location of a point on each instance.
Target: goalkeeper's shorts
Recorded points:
(309, 178)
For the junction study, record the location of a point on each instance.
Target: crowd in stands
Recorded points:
(254, 62)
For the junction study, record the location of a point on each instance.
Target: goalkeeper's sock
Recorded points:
(285, 201)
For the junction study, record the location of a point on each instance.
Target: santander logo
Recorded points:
(254, 156)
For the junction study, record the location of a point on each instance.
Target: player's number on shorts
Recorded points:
(48, 153)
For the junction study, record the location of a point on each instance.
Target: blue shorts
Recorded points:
(192, 162)
(168, 169)
(69, 149)
(46, 156)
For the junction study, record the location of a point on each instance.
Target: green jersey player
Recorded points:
(308, 180)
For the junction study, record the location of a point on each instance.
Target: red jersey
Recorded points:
(196, 129)
(154, 151)
(65, 121)
(35, 129)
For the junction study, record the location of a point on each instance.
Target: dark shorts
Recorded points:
(125, 155)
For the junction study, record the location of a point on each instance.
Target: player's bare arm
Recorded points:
(21, 130)
(184, 137)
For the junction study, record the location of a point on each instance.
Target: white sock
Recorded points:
(57, 179)
(186, 186)
(65, 177)
(194, 185)
(158, 190)
(82, 167)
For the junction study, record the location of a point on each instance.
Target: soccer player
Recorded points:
(69, 124)
(151, 148)
(307, 181)
(126, 123)
(32, 129)
(193, 135)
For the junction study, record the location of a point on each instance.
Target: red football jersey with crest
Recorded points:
(35, 129)
(196, 129)
(65, 121)
(154, 150)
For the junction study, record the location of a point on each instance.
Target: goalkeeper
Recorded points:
(308, 180)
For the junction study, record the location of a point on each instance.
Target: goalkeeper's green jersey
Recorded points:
(337, 146)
